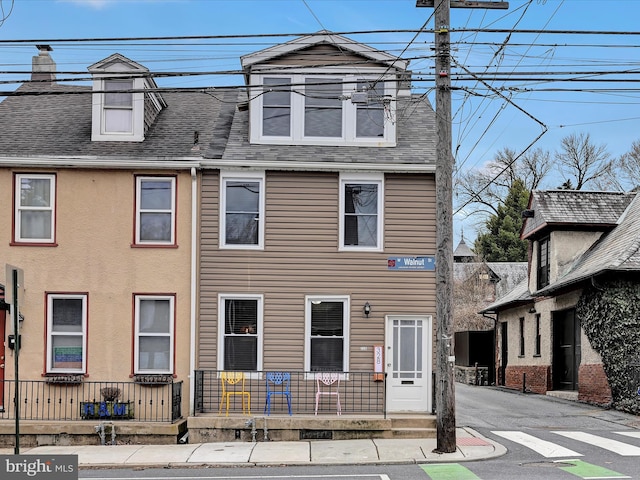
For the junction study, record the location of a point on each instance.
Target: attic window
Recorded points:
(543, 262)
(316, 109)
(118, 106)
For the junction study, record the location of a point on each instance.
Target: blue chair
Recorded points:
(277, 384)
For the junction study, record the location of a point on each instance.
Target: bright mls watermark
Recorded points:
(27, 467)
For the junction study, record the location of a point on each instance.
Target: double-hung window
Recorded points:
(240, 326)
(327, 334)
(326, 108)
(370, 115)
(66, 333)
(242, 211)
(155, 210)
(276, 118)
(361, 219)
(154, 334)
(543, 262)
(323, 107)
(35, 198)
(118, 106)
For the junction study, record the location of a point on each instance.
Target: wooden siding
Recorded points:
(329, 54)
(301, 257)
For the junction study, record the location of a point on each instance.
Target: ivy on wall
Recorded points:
(610, 317)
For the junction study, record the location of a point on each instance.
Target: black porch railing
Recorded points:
(360, 393)
(42, 400)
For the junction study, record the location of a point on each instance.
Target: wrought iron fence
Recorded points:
(359, 393)
(42, 400)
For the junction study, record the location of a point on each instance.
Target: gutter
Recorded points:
(99, 162)
(329, 166)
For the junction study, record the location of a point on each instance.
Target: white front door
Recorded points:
(408, 363)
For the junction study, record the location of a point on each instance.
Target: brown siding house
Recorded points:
(324, 188)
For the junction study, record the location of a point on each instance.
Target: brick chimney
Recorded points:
(43, 66)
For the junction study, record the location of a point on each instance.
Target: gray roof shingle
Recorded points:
(574, 208)
(55, 121)
(416, 141)
(617, 250)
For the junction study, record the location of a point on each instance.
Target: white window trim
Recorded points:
(98, 132)
(172, 240)
(242, 176)
(372, 178)
(221, 328)
(307, 329)
(51, 333)
(297, 112)
(19, 209)
(171, 334)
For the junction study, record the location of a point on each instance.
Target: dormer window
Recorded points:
(322, 110)
(118, 106)
(125, 100)
(323, 107)
(543, 262)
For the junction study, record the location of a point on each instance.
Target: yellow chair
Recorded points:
(233, 384)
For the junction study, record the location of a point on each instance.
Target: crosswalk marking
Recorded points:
(544, 448)
(588, 471)
(449, 471)
(615, 446)
(632, 434)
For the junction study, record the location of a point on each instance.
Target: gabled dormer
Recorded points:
(561, 225)
(125, 100)
(324, 89)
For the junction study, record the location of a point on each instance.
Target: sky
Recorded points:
(518, 104)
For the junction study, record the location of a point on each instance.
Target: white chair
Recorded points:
(328, 383)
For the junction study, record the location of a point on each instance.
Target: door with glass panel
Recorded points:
(408, 363)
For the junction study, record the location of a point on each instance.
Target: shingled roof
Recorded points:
(55, 121)
(415, 149)
(574, 208)
(616, 251)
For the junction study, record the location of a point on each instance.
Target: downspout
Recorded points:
(194, 257)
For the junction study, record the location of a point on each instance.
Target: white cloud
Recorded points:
(90, 3)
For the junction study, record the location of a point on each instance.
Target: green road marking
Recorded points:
(449, 471)
(589, 471)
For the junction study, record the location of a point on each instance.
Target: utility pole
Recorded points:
(445, 359)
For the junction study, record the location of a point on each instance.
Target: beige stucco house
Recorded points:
(100, 190)
(552, 339)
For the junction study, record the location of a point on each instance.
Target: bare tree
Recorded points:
(472, 293)
(629, 165)
(584, 162)
(480, 192)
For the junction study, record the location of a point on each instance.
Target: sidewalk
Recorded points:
(470, 446)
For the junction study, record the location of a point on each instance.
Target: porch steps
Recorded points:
(214, 428)
(413, 426)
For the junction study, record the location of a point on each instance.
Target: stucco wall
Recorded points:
(94, 255)
(564, 248)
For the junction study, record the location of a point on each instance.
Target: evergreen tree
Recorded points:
(501, 240)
